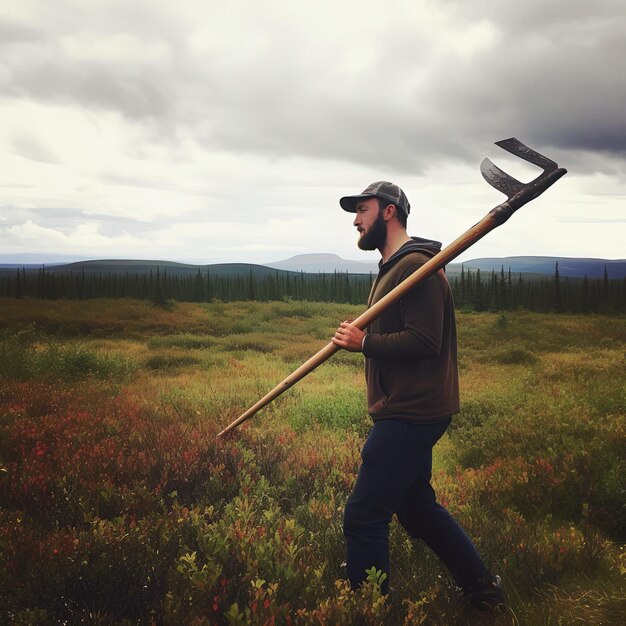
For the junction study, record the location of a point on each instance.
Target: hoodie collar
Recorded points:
(428, 247)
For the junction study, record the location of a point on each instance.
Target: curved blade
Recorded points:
(516, 147)
(499, 179)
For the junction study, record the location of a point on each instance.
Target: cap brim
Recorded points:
(348, 203)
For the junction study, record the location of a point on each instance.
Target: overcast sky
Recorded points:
(210, 132)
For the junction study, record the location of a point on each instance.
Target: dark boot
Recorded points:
(488, 597)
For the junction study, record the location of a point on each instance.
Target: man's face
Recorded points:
(371, 225)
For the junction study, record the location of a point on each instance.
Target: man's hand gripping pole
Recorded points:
(518, 194)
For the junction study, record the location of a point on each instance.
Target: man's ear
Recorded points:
(388, 212)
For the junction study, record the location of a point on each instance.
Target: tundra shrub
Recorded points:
(29, 355)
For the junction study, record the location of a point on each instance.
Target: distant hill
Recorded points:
(539, 265)
(328, 263)
(531, 266)
(568, 266)
(140, 266)
(137, 266)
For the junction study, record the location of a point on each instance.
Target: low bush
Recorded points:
(252, 341)
(31, 355)
(185, 341)
(514, 356)
(348, 412)
(170, 361)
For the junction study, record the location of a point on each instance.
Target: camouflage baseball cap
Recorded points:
(381, 189)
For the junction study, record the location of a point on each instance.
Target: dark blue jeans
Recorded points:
(394, 477)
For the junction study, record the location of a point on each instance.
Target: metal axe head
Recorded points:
(518, 193)
(504, 182)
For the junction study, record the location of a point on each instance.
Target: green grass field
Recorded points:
(119, 506)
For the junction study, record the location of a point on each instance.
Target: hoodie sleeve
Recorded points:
(422, 312)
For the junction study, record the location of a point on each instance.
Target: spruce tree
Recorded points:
(158, 295)
(558, 297)
(19, 290)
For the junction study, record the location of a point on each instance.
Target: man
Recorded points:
(412, 392)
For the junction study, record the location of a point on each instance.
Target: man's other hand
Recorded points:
(349, 337)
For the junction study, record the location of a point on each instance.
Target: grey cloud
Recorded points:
(66, 219)
(12, 31)
(570, 100)
(38, 66)
(125, 89)
(44, 216)
(524, 17)
(551, 78)
(33, 148)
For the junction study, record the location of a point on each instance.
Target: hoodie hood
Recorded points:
(425, 246)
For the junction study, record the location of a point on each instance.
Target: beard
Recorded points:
(375, 238)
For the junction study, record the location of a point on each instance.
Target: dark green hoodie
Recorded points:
(410, 349)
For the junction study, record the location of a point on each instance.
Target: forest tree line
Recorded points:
(473, 290)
